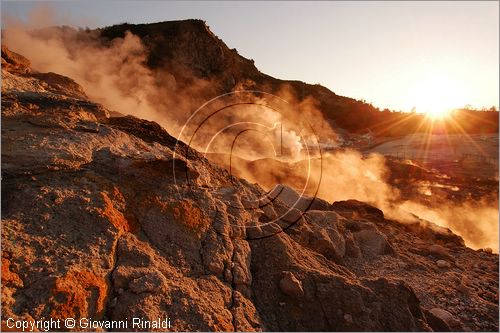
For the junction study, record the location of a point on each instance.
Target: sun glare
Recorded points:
(436, 114)
(436, 96)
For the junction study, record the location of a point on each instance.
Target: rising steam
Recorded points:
(116, 76)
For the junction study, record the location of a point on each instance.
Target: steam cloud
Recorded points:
(115, 75)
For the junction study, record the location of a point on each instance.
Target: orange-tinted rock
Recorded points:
(115, 216)
(79, 294)
(190, 215)
(9, 277)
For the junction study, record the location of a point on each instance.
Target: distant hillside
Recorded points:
(188, 48)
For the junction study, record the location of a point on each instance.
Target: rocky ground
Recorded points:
(106, 217)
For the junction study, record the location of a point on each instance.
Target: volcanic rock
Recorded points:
(97, 223)
(443, 264)
(291, 286)
(446, 317)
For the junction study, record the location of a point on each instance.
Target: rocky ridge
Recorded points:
(96, 222)
(189, 49)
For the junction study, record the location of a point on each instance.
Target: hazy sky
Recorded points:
(394, 54)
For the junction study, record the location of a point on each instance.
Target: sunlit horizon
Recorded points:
(427, 57)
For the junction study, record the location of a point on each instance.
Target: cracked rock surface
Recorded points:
(96, 222)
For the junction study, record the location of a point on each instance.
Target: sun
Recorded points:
(436, 96)
(437, 113)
